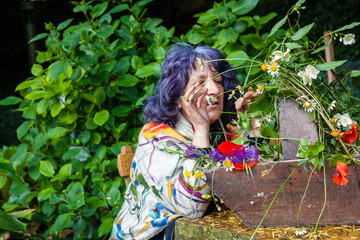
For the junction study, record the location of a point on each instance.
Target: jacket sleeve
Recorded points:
(170, 176)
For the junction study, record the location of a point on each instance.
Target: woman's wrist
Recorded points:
(201, 139)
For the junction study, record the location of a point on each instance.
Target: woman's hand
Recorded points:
(242, 104)
(195, 111)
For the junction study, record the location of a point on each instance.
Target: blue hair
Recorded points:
(178, 63)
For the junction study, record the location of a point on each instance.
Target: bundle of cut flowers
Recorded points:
(228, 155)
(292, 67)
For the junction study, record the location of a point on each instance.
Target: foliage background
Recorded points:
(83, 99)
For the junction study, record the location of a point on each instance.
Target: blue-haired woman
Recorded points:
(177, 116)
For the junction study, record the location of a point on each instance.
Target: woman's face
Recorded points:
(209, 78)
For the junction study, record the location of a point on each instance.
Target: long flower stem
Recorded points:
(272, 202)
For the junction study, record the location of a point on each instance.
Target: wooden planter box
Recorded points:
(249, 197)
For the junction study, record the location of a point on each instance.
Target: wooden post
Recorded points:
(329, 55)
(124, 161)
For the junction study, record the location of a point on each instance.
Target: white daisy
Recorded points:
(286, 56)
(311, 71)
(302, 99)
(277, 55)
(300, 232)
(269, 118)
(241, 90)
(201, 63)
(185, 99)
(232, 94)
(306, 78)
(309, 105)
(349, 39)
(258, 123)
(260, 88)
(273, 68)
(228, 165)
(345, 120)
(332, 105)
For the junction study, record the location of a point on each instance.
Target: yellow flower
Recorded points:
(336, 133)
(198, 174)
(206, 196)
(187, 174)
(228, 165)
(264, 67)
(260, 88)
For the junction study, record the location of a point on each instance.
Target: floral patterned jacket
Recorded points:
(160, 191)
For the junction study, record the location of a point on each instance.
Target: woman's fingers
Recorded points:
(243, 103)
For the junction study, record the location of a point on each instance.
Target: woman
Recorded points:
(178, 116)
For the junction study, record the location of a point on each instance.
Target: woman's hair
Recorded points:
(176, 67)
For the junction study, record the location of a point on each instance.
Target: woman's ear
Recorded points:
(178, 103)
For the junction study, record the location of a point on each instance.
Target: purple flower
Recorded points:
(358, 156)
(192, 152)
(216, 156)
(238, 156)
(252, 154)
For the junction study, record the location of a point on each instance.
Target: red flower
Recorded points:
(229, 148)
(341, 173)
(240, 166)
(351, 135)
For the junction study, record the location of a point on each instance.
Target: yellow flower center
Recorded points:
(332, 121)
(186, 99)
(198, 175)
(270, 117)
(240, 88)
(308, 105)
(187, 174)
(348, 38)
(227, 163)
(273, 68)
(264, 67)
(312, 70)
(260, 88)
(307, 79)
(286, 55)
(336, 133)
(206, 196)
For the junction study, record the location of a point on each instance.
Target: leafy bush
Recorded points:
(80, 107)
(83, 103)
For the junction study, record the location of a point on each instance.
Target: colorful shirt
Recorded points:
(161, 187)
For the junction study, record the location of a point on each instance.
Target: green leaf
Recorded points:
(65, 171)
(116, 147)
(3, 179)
(121, 111)
(64, 24)
(267, 132)
(113, 196)
(45, 194)
(35, 95)
(105, 227)
(58, 68)
(46, 169)
(240, 141)
(196, 37)
(119, 8)
(36, 70)
(277, 26)
(19, 155)
(349, 26)
(42, 106)
(302, 32)
(355, 73)
(244, 6)
(105, 31)
(127, 80)
(40, 140)
(101, 117)
(322, 48)
(10, 223)
(98, 9)
(23, 128)
(57, 132)
(293, 45)
(330, 65)
(237, 58)
(10, 100)
(145, 71)
(61, 222)
(55, 109)
(95, 138)
(38, 37)
(96, 201)
(159, 53)
(84, 136)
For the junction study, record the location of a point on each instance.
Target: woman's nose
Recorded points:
(212, 87)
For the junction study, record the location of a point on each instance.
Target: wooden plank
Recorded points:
(249, 197)
(329, 55)
(124, 161)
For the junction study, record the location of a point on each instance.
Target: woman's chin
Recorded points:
(213, 117)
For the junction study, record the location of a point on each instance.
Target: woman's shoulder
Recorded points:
(153, 130)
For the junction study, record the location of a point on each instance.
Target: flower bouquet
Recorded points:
(292, 68)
